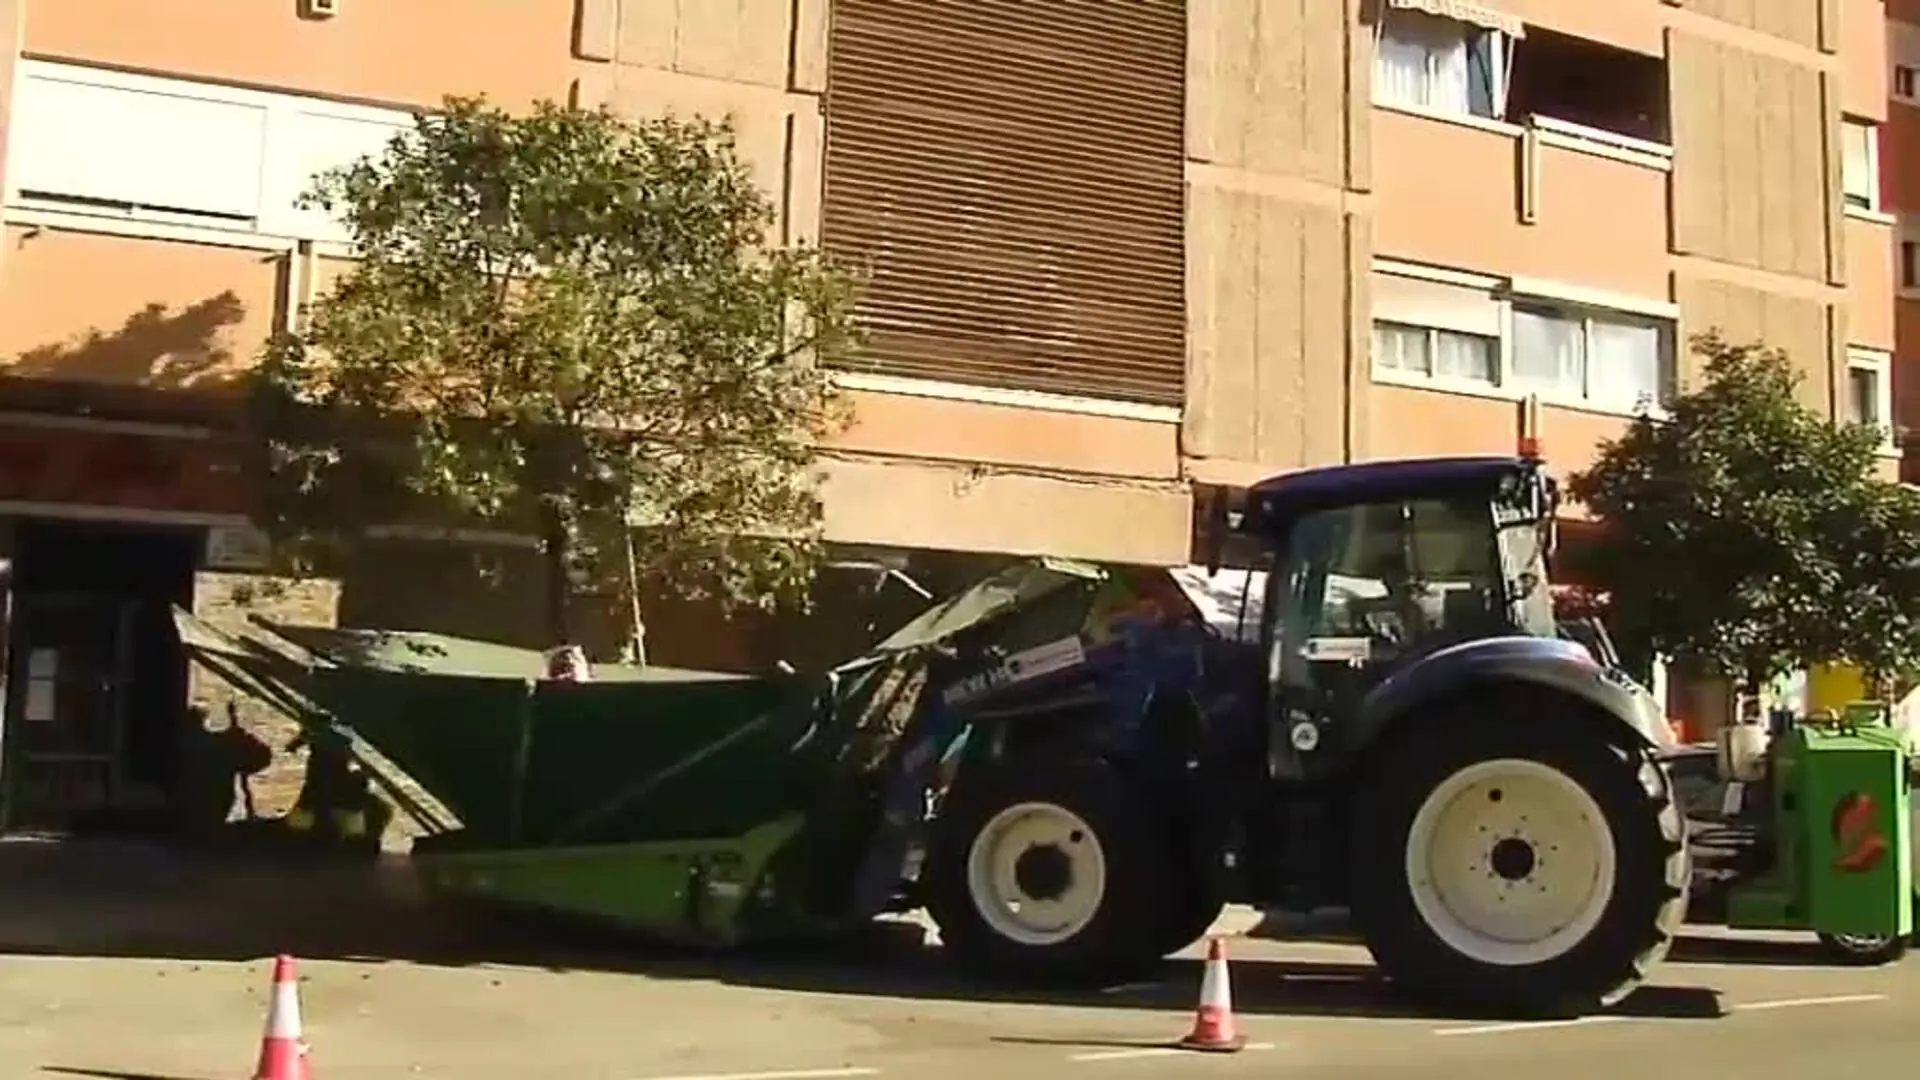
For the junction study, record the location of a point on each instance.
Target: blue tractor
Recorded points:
(1074, 768)
(1392, 724)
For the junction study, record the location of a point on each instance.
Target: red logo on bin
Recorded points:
(1862, 845)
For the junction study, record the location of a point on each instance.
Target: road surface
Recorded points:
(174, 987)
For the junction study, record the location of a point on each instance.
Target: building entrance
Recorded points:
(96, 682)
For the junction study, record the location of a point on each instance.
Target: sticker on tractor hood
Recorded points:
(1027, 664)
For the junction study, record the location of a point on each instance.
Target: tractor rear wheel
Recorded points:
(1523, 859)
(1047, 871)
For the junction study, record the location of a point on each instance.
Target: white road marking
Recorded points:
(1795, 1003)
(778, 1075)
(1755, 1006)
(1133, 987)
(1528, 1025)
(1132, 1053)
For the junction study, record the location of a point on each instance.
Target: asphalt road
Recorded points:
(126, 964)
(1307, 1009)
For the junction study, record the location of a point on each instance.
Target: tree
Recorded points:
(562, 323)
(1744, 532)
(1878, 541)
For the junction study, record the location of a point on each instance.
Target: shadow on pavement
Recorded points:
(1792, 952)
(105, 899)
(106, 1073)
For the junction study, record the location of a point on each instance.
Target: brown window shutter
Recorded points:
(1010, 173)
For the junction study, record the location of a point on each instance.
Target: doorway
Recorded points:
(97, 684)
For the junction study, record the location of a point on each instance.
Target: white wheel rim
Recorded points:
(993, 874)
(1466, 882)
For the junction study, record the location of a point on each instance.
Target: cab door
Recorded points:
(1361, 592)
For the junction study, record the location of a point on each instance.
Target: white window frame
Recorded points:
(279, 185)
(1499, 47)
(1587, 314)
(1908, 73)
(1870, 201)
(1430, 377)
(1589, 304)
(1880, 363)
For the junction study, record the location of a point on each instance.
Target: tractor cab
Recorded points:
(1385, 561)
(1379, 566)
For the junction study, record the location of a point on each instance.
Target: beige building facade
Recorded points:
(1123, 257)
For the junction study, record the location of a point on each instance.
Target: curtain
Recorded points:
(1624, 368)
(1401, 348)
(1423, 60)
(1549, 350)
(1400, 68)
(1450, 88)
(1463, 356)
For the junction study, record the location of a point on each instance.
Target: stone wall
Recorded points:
(226, 600)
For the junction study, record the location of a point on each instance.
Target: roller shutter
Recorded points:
(1010, 174)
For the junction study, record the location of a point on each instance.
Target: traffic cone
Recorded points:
(1214, 1029)
(283, 1050)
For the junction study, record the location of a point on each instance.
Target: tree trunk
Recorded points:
(556, 546)
(638, 631)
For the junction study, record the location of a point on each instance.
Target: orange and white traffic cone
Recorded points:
(1214, 1028)
(283, 1049)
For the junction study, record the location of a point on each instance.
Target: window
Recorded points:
(1909, 265)
(1447, 330)
(1373, 585)
(1904, 81)
(320, 139)
(1446, 354)
(1869, 391)
(1860, 176)
(1586, 83)
(1606, 358)
(92, 141)
(133, 150)
(1431, 62)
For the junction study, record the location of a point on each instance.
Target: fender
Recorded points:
(1550, 663)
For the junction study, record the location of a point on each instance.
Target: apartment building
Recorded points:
(1896, 158)
(1126, 257)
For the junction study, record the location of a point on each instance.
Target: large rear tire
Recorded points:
(1047, 871)
(1524, 860)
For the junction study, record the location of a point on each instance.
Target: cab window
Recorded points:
(1374, 583)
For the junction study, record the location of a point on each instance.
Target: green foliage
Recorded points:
(1745, 532)
(560, 323)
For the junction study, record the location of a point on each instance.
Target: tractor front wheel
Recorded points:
(1047, 871)
(1518, 860)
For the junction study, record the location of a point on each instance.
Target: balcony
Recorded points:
(1543, 199)
(1519, 151)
